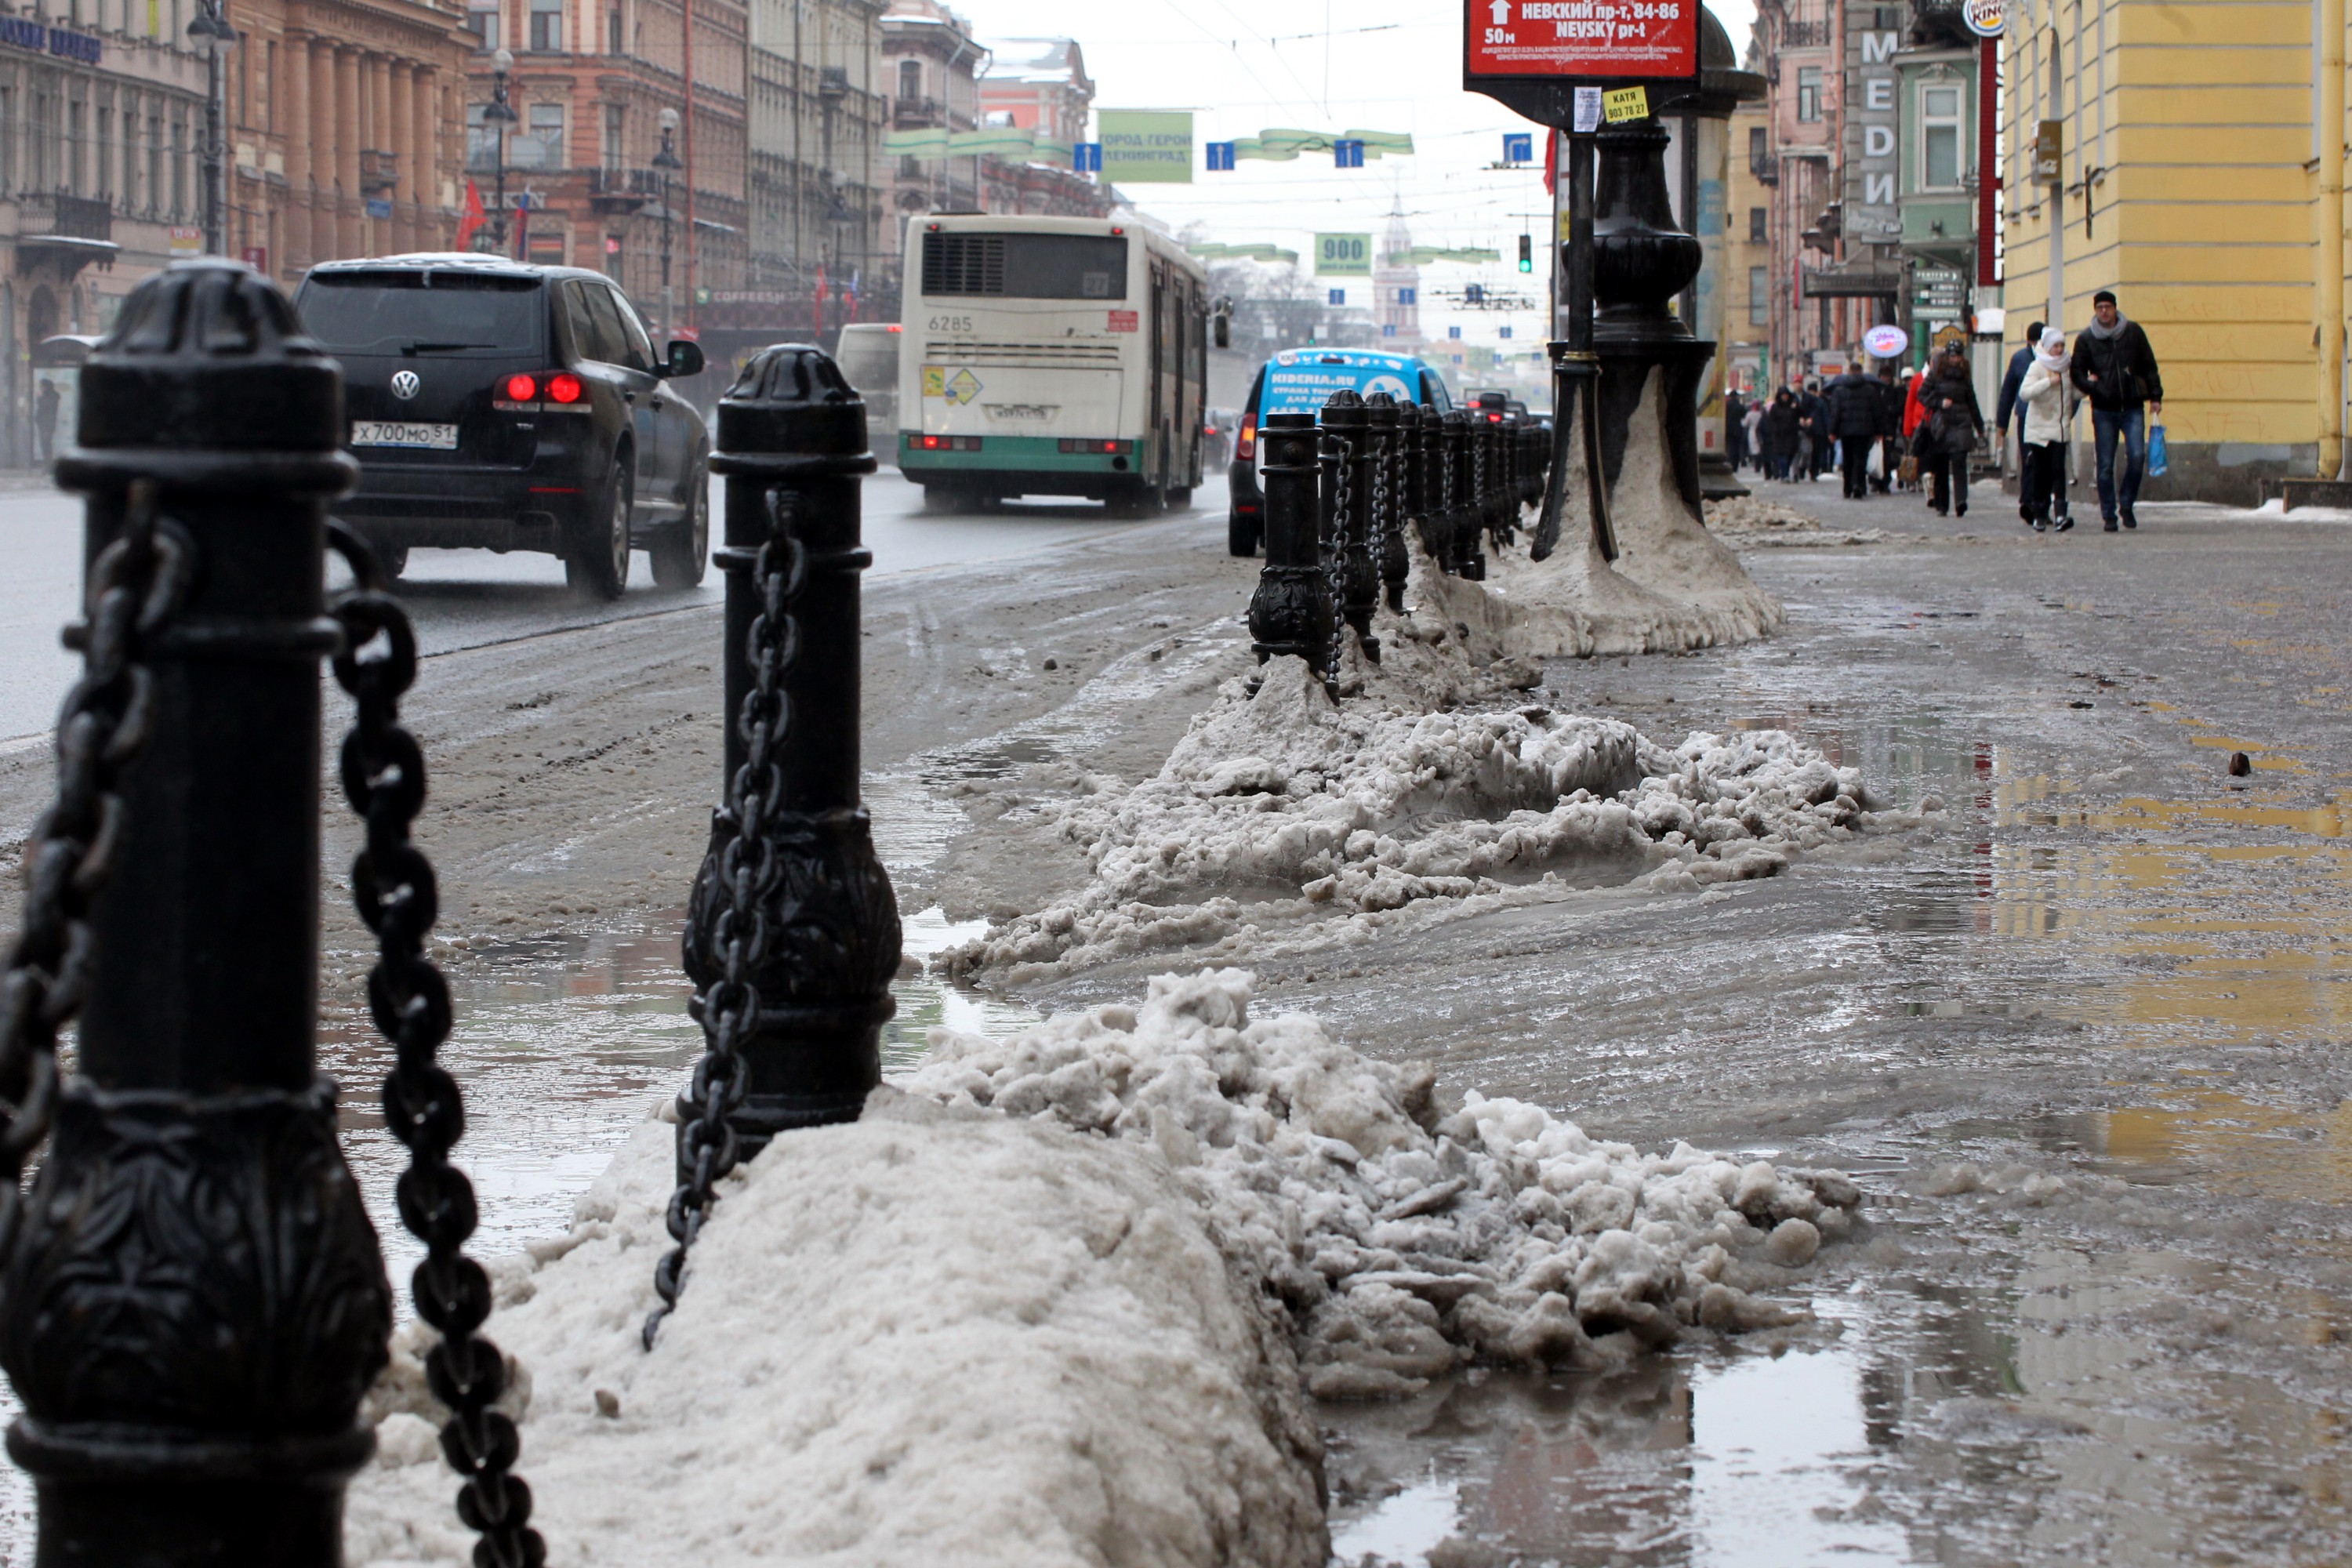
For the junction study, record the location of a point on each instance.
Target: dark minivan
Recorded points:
(514, 408)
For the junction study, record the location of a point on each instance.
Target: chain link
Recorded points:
(136, 585)
(749, 869)
(394, 886)
(1335, 553)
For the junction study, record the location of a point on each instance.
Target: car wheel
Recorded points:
(682, 554)
(1241, 536)
(598, 562)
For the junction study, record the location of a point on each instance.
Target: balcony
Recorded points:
(1804, 35)
(1766, 169)
(69, 229)
(622, 190)
(379, 171)
(917, 113)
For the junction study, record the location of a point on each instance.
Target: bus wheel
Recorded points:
(1241, 536)
(1179, 498)
(939, 498)
(1141, 500)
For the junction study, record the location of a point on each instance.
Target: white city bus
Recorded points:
(1050, 356)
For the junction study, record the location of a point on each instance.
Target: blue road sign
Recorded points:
(1220, 156)
(1503, 331)
(1338, 296)
(1519, 147)
(1408, 296)
(1347, 154)
(1474, 293)
(1085, 158)
(1453, 332)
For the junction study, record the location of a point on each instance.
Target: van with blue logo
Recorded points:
(1301, 381)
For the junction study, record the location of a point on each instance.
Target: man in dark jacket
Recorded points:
(2019, 363)
(1890, 427)
(1857, 417)
(2116, 369)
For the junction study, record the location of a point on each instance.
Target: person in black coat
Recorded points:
(2115, 368)
(1856, 417)
(1734, 428)
(1782, 432)
(2006, 404)
(1954, 419)
(1890, 427)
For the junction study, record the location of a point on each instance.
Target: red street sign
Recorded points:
(1613, 38)
(257, 258)
(1125, 321)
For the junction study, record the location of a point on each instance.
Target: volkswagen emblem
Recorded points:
(404, 385)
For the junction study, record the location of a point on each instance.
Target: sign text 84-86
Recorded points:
(1583, 37)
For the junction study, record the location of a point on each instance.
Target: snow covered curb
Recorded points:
(1039, 1306)
(927, 1338)
(1281, 808)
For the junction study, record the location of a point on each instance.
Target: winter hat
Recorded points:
(2052, 342)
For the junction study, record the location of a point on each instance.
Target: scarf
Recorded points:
(2105, 333)
(2052, 361)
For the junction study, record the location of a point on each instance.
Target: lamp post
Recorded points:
(666, 160)
(213, 38)
(500, 114)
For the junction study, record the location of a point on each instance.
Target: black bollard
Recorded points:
(1386, 422)
(194, 1299)
(1346, 425)
(1418, 429)
(1292, 611)
(791, 937)
(1462, 444)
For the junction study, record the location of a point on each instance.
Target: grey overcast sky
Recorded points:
(1384, 65)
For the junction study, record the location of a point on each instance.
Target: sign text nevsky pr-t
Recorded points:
(1583, 38)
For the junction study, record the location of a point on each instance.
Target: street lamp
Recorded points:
(212, 37)
(500, 114)
(667, 160)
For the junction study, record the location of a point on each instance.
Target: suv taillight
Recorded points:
(520, 389)
(564, 387)
(1245, 448)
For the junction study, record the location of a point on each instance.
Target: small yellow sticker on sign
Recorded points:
(934, 381)
(1621, 104)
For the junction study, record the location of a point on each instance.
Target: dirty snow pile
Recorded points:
(932, 1337)
(1752, 521)
(1285, 806)
(1405, 1240)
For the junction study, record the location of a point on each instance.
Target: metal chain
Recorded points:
(1483, 502)
(1376, 527)
(1335, 554)
(394, 886)
(136, 585)
(749, 871)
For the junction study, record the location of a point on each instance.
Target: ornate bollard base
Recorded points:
(109, 1499)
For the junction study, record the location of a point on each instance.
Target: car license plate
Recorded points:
(391, 433)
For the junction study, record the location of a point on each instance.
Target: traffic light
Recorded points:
(1527, 253)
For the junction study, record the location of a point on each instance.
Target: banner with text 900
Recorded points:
(1583, 38)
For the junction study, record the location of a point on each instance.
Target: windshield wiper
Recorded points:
(440, 348)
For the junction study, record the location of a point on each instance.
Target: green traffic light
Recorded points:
(1527, 253)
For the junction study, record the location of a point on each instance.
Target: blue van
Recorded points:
(1301, 381)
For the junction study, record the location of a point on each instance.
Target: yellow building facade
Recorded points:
(2198, 188)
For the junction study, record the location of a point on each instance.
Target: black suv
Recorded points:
(514, 408)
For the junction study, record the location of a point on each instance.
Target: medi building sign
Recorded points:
(1583, 38)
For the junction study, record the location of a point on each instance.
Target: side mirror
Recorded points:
(685, 359)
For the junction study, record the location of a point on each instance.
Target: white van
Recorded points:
(869, 358)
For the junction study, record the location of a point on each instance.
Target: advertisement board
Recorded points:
(1598, 38)
(1146, 146)
(1343, 256)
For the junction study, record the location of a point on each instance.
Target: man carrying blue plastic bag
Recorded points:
(2116, 369)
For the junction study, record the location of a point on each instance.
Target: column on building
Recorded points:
(380, 231)
(425, 178)
(349, 212)
(294, 113)
(403, 192)
(326, 206)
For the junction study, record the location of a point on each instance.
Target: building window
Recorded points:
(1939, 136)
(154, 193)
(481, 142)
(615, 124)
(179, 167)
(1759, 146)
(1809, 93)
(7, 137)
(1759, 296)
(540, 146)
(546, 25)
(1756, 233)
(911, 79)
(484, 21)
(105, 191)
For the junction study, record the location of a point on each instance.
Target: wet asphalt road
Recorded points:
(470, 598)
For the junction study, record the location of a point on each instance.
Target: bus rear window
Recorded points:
(1025, 266)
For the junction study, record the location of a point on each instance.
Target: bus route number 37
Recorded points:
(950, 325)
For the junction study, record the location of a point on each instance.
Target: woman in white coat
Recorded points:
(2042, 475)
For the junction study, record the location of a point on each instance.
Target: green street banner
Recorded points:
(1212, 250)
(1011, 144)
(1280, 144)
(1343, 256)
(1146, 146)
